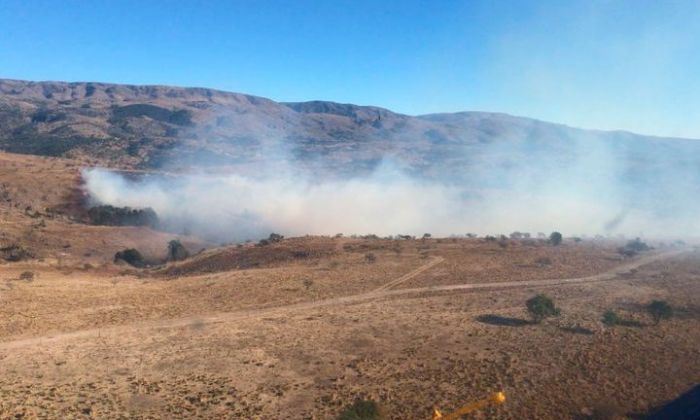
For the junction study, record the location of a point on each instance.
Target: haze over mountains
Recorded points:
(149, 126)
(516, 169)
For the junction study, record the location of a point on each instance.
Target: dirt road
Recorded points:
(379, 293)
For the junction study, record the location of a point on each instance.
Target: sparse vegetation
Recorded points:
(130, 256)
(370, 257)
(180, 117)
(555, 238)
(659, 310)
(361, 410)
(540, 307)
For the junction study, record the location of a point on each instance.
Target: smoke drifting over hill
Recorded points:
(588, 195)
(251, 165)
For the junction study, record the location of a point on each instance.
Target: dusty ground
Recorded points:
(311, 324)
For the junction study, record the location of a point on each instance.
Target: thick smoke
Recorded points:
(582, 194)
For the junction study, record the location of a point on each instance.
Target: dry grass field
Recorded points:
(303, 327)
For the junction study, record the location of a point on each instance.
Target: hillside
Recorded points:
(166, 127)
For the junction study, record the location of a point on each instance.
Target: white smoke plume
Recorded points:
(578, 198)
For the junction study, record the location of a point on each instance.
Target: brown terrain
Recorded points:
(169, 127)
(303, 327)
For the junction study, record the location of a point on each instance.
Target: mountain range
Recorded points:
(163, 127)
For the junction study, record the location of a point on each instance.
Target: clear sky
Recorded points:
(631, 65)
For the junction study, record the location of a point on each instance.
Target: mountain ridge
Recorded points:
(157, 126)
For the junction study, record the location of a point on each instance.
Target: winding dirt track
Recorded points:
(379, 293)
(406, 277)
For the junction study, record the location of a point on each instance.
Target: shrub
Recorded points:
(633, 247)
(555, 238)
(361, 410)
(177, 251)
(427, 236)
(610, 318)
(370, 257)
(263, 242)
(275, 237)
(659, 309)
(130, 256)
(27, 276)
(14, 253)
(541, 307)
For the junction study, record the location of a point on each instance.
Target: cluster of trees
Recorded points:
(176, 251)
(122, 216)
(658, 310)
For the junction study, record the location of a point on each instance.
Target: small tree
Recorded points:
(131, 256)
(659, 309)
(427, 236)
(177, 251)
(610, 318)
(275, 237)
(555, 238)
(541, 307)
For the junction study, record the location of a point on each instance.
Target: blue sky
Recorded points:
(631, 65)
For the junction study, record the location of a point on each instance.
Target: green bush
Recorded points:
(659, 309)
(130, 256)
(541, 307)
(177, 251)
(610, 318)
(555, 238)
(361, 410)
(275, 237)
